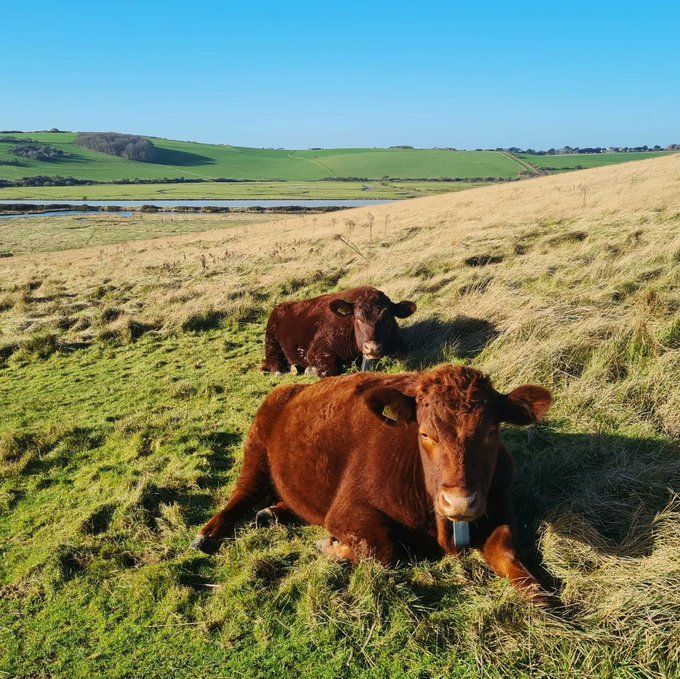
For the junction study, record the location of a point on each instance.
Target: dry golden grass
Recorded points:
(593, 254)
(559, 266)
(583, 276)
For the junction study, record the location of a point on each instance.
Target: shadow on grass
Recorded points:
(180, 158)
(614, 485)
(433, 340)
(198, 507)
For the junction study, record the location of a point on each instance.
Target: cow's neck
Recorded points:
(347, 342)
(411, 500)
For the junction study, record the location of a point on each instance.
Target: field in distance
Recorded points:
(304, 190)
(129, 377)
(179, 159)
(581, 161)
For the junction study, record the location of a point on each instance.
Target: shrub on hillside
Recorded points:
(38, 151)
(128, 146)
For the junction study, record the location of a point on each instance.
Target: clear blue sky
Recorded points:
(299, 74)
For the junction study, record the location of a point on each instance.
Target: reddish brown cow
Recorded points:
(325, 334)
(388, 461)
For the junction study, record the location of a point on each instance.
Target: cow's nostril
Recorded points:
(371, 349)
(451, 499)
(453, 496)
(456, 504)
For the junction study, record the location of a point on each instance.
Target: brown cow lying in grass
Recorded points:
(387, 461)
(324, 334)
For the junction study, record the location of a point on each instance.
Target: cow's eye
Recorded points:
(424, 435)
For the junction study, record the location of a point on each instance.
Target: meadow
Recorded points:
(208, 161)
(239, 190)
(49, 234)
(129, 377)
(578, 161)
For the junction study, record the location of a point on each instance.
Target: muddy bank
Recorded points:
(43, 208)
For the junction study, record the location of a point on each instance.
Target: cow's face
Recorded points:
(458, 413)
(374, 317)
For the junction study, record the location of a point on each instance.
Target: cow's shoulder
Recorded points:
(280, 396)
(274, 407)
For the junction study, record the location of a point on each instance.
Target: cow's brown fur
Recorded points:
(374, 457)
(327, 333)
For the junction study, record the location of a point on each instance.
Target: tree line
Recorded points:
(128, 146)
(571, 150)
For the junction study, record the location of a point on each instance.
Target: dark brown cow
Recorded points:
(325, 334)
(386, 461)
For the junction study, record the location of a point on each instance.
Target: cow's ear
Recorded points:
(391, 406)
(342, 308)
(403, 309)
(525, 405)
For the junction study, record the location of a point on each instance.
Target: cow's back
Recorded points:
(322, 440)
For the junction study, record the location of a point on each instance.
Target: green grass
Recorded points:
(112, 457)
(105, 487)
(188, 159)
(407, 163)
(279, 173)
(304, 190)
(584, 160)
(50, 234)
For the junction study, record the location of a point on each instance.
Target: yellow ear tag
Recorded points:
(390, 413)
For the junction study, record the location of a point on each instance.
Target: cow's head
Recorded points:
(458, 414)
(374, 315)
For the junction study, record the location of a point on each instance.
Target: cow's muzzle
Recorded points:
(372, 350)
(459, 504)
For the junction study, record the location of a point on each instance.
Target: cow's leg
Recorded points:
(500, 553)
(278, 513)
(252, 487)
(357, 535)
(275, 360)
(492, 536)
(322, 362)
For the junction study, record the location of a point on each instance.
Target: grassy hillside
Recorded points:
(409, 163)
(188, 159)
(579, 161)
(130, 378)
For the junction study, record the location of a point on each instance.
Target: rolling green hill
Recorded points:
(409, 163)
(206, 161)
(290, 173)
